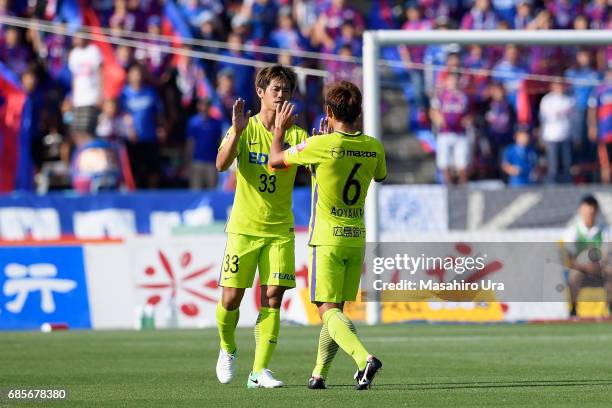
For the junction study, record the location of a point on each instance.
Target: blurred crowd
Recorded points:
(491, 118)
(532, 114)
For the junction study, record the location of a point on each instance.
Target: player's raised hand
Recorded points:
(240, 118)
(284, 115)
(324, 127)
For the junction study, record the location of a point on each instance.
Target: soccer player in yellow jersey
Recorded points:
(260, 231)
(343, 163)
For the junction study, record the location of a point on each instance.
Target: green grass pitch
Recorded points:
(424, 365)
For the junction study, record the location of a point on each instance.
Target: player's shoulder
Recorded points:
(253, 127)
(330, 137)
(604, 228)
(316, 143)
(374, 141)
(298, 130)
(327, 140)
(321, 139)
(253, 123)
(297, 134)
(370, 138)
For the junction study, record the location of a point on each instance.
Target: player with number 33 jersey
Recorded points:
(260, 232)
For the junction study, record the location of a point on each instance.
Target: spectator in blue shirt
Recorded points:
(142, 102)
(348, 36)
(143, 105)
(520, 161)
(510, 72)
(195, 10)
(243, 74)
(506, 9)
(524, 14)
(286, 35)
(203, 137)
(500, 118)
(585, 80)
(262, 14)
(435, 58)
(583, 72)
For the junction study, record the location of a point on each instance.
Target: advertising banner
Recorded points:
(413, 208)
(43, 285)
(521, 208)
(146, 282)
(120, 215)
(174, 283)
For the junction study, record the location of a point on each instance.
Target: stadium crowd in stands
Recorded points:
(496, 123)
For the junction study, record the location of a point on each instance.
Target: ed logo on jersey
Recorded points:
(261, 158)
(258, 158)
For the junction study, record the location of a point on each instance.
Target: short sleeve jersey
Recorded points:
(343, 165)
(262, 204)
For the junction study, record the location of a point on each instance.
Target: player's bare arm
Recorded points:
(282, 122)
(592, 268)
(229, 151)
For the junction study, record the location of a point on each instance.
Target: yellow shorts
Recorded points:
(334, 273)
(273, 256)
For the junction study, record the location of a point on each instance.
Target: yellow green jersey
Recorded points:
(262, 204)
(343, 165)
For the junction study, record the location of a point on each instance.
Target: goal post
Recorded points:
(374, 39)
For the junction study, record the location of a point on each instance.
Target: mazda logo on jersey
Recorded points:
(337, 152)
(360, 153)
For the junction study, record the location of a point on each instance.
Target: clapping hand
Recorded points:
(324, 127)
(284, 115)
(240, 118)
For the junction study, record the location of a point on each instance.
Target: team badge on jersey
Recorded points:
(297, 148)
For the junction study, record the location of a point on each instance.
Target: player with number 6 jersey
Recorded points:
(343, 164)
(260, 230)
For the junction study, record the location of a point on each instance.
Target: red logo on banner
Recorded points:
(188, 280)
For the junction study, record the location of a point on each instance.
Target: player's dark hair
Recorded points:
(268, 74)
(344, 100)
(590, 200)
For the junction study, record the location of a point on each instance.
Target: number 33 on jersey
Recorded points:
(343, 166)
(262, 205)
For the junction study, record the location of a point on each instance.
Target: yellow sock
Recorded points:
(226, 325)
(339, 327)
(266, 336)
(325, 353)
